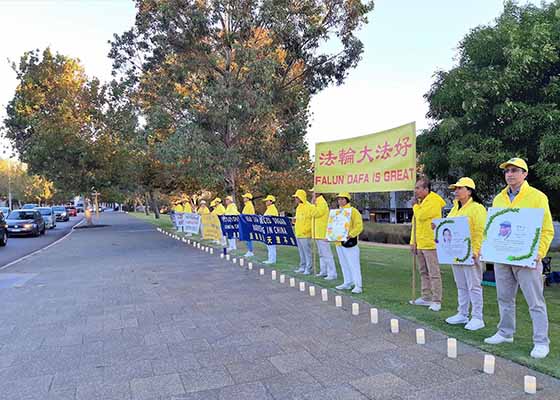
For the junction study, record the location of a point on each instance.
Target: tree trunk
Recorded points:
(146, 202)
(155, 206)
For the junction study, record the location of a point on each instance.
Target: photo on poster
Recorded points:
(338, 224)
(453, 240)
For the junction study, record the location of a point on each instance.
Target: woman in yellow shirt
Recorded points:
(271, 210)
(468, 277)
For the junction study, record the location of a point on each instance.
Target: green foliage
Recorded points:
(501, 100)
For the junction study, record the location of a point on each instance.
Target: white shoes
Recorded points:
(306, 273)
(344, 287)
(331, 278)
(249, 254)
(457, 319)
(320, 275)
(540, 351)
(299, 270)
(269, 262)
(435, 307)
(420, 302)
(475, 324)
(357, 290)
(497, 339)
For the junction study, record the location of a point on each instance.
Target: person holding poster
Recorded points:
(518, 194)
(422, 244)
(320, 215)
(248, 208)
(468, 278)
(348, 251)
(303, 231)
(187, 208)
(272, 211)
(218, 209)
(231, 209)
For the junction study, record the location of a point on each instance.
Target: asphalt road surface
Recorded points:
(18, 247)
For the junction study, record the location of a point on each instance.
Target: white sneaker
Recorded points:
(299, 270)
(249, 254)
(306, 273)
(320, 275)
(268, 262)
(331, 278)
(497, 339)
(475, 324)
(420, 302)
(344, 287)
(457, 319)
(357, 290)
(540, 351)
(435, 306)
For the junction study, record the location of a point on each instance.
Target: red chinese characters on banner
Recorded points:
(382, 152)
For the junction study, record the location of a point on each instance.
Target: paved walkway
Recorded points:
(124, 312)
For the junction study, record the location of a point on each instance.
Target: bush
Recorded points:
(385, 233)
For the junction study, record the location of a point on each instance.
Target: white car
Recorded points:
(48, 216)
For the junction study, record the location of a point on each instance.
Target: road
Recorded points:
(21, 246)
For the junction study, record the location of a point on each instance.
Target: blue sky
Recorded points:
(405, 42)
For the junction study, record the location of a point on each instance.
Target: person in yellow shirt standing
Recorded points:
(422, 243)
(468, 278)
(231, 209)
(271, 210)
(202, 208)
(320, 215)
(518, 194)
(303, 231)
(248, 208)
(218, 209)
(187, 208)
(348, 251)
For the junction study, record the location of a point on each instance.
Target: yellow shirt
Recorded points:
(320, 214)
(187, 208)
(248, 208)
(231, 209)
(271, 210)
(424, 213)
(219, 210)
(529, 197)
(356, 224)
(203, 210)
(476, 213)
(303, 220)
(178, 208)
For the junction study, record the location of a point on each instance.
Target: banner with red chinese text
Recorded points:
(381, 162)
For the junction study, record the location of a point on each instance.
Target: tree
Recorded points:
(501, 100)
(225, 85)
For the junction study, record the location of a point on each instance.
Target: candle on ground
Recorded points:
(394, 325)
(302, 286)
(261, 271)
(530, 384)
(338, 301)
(282, 278)
(312, 290)
(355, 309)
(273, 274)
(452, 348)
(241, 262)
(489, 364)
(250, 265)
(373, 315)
(324, 294)
(227, 257)
(222, 255)
(292, 282)
(420, 336)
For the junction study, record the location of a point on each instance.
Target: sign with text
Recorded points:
(381, 162)
(338, 224)
(211, 229)
(268, 229)
(512, 236)
(190, 222)
(453, 241)
(230, 226)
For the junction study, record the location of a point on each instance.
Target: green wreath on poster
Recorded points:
(461, 260)
(438, 226)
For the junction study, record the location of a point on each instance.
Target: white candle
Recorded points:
(227, 257)
(241, 262)
(198, 245)
(211, 251)
(452, 348)
(338, 301)
(250, 265)
(373, 315)
(302, 286)
(273, 274)
(235, 260)
(420, 336)
(530, 384)
(489, 364)
(312, 290)
(188, 241)
(221, 255)
(355, 309)
(292, 282)
(324, 294)
(184, 240)
(282, 278)
(394, 325)
(261, 271)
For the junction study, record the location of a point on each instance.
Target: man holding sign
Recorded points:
(518, 194)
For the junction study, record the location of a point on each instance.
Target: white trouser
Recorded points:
(326, 258)
(349, 258)
(305, 258)
(232, 244)
(468, 279)
(271, 253)
(508, 279)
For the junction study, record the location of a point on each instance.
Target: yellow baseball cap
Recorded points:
(248, 196)
(517, 162)
(217, 200)
(344, 194)
(463, 182)
(270, 198)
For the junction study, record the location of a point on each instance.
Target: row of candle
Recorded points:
(489, 365)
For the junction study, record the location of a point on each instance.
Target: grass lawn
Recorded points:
(386, 279)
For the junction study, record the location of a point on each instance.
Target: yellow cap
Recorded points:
(344, 194)
(518, 162)
(217, 200)
(463, 182)
(248, 196)
(270, 198)
(300, 194)
(229, 198)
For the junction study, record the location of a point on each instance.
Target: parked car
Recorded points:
(5, 210)
(48, 216)
(72, 212)
(29, 206)
(3, 230)
(80, 207)
(25, 222)
(60, 213)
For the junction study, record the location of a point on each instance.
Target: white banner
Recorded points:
(338, 224)
(512, 236)
(453, 240)
(187, 222)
